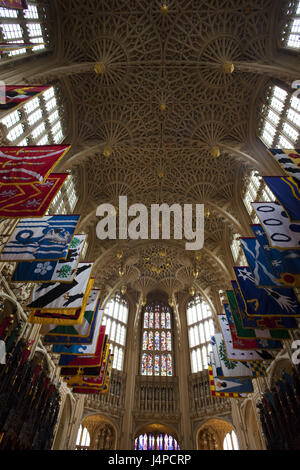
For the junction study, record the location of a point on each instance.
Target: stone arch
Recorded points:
(211, 434)
(63, 430)
(251, 426)
(103, 432)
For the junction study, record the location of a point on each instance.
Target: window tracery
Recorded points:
(83, 440)
(23, 26)
(115, 319)
(290, 37)
(149, 441)
(157, 352)
(280, 118)
(66, 198)
(36, 122)
(200, 330)
(230, 441)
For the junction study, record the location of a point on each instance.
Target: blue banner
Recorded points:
(51, 271)
(259, 263)
(287, 191)
(46, 238)
(267, 301)
(285, 263)
(260, 321)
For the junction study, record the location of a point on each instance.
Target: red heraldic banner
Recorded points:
(26, 165)
(30, 200)
(19, 4)
(16, 95)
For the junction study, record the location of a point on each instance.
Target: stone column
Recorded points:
(183, 369)
(131, 369)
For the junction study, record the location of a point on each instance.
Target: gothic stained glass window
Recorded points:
(156, 340)
(200, 330)
(115, 319)
(279, 118)
(83, 438)
(289, 36)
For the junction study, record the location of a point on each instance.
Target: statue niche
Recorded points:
(105, 437)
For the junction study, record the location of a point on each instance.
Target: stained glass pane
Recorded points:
(136, 444)
(169, 341)
(146, 320)
(168, 320)
(141, 442)
(157, 443)
(144, 364)
(171, 443)
(145, 442)
(157, 325)
(163, 320)
(163, 341)
(149, 365)
(150, 442)
(163, 364)
(145, 340)
(169, 365)
(166, 442)
(156, 341)
(161, 442)
(150, 319)
(156, 365)
(150, 341)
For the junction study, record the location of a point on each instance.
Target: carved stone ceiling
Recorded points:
(146, 59)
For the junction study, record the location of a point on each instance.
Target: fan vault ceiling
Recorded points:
(157, 90)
